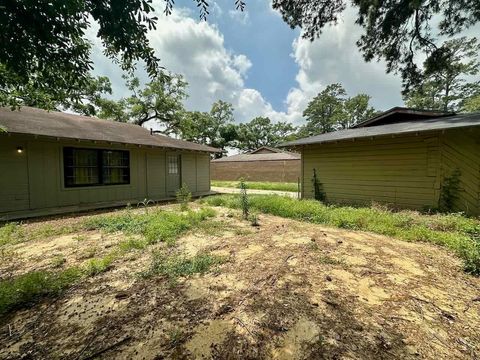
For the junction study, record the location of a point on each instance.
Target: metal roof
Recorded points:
(32, 121)
(416, 126)
(275, 155)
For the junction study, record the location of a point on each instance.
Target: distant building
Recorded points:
(263, 164)
(52, 162)
(401, 157)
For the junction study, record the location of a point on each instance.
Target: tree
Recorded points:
(44, 46)
(332, 110)
(395, 31)
(446, 87)
(262, 132)
(472, 104)
(215, 128)
(160, 100)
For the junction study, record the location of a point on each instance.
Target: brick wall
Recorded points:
(276, 171)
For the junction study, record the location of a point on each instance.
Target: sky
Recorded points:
(255, 61)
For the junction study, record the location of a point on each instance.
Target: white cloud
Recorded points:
(241, 17)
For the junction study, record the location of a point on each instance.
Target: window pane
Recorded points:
(173, 164)
(81, 167)
(116, 167)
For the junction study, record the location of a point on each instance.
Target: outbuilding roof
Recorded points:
(413, 126)
(263, 153)
(32, 121)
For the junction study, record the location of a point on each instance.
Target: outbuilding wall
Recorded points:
(32, 182)
(274, 171)
(404, 171)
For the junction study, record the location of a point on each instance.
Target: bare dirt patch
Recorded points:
(289, 290)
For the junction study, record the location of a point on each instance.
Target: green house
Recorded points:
(403, 157)
(53, 162)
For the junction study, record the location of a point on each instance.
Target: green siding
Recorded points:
(33, 181)
(404, 171)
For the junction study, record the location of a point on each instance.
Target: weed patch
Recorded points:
(454, 231)
(26, 289)
(175, 266)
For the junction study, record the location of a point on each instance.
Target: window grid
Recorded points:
(94, 167)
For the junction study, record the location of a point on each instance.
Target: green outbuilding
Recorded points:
(54, 162)
(405, 158)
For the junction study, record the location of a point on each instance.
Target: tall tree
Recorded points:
(472, 104)
(446, 87)
(159, 100)
(215, 128)
(332, 110)
(395, 31)
(44, 46)
(262, 132)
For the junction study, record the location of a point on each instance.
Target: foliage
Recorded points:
(26, 289)
(318, 192)
(446, 87)
(160, 100)
(472, 104)
(158, 226)
(453, 231)
(215, 128)
(12, 233)
(98, 266)
(262, 132)
(244, 203)
(44, 45)
(132, 244)
(331, 110)
(184, 196)
(397, 32)
(176, 266)
(254, 220)
(258, 185)
(449, 191)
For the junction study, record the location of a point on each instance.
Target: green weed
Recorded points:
(454, 231)
(99, 265)
(259, 185)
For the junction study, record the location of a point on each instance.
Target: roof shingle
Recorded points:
(34, 121)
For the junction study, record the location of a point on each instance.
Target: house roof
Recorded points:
(32, 121)
(400, 114)
(271, 154)
(414, 126)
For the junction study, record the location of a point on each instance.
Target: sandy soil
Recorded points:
(289, 290)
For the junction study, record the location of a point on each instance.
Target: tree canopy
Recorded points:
(260, 131)
(447, 87)
(332, 110)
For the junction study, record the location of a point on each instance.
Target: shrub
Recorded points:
(449, 191)
(184, 196)
(318, 192)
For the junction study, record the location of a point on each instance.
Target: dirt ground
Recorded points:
(289, 290)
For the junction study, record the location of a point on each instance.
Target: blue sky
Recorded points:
(256, 62)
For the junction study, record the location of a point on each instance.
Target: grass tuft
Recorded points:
(454, 231)
(175, 266)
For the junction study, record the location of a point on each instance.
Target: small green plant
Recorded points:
(449, 191)
(244, 199)
(184, 196)
(175, 338)
(98, 266)
(58, 261)
(145, 203)
(318, 192)
(132, 244)
(254, 220)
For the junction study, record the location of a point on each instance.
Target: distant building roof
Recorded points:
(263, 153)
(414, 126)
(401, 114)
(38, 122)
